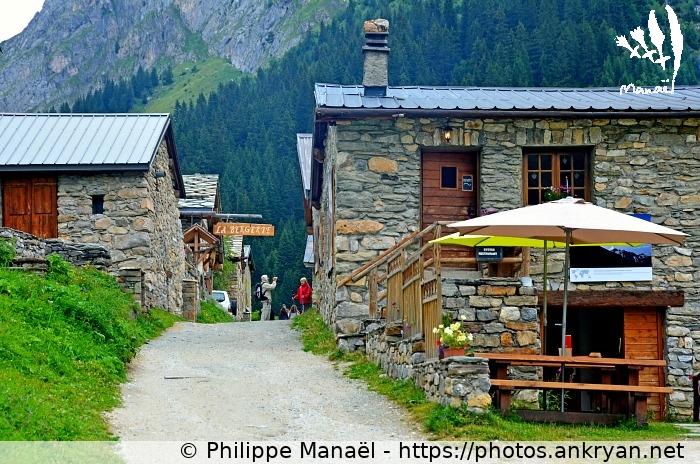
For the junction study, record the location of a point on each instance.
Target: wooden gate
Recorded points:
(30, 205)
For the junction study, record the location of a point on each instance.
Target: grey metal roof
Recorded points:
(304, 146)
(505, 99)
(80, 142)
(202, 191)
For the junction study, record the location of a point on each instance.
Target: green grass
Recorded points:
(447, 423)
(66, 339)
(315, 335)
(210, 313)
(189, 80)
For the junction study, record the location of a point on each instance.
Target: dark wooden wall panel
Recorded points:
(642, 341)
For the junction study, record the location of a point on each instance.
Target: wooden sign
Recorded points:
(235, 228)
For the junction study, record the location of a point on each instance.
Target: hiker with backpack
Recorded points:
(303, 295)
(263, 292)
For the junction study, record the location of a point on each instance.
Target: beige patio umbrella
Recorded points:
(494, 240)
(572, 221)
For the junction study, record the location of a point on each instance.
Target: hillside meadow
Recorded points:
(65, 339)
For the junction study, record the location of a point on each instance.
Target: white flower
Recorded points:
(435, 330)
(463, 317)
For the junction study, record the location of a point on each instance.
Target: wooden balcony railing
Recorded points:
(405, 281)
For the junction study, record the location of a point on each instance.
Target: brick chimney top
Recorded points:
(376, 54)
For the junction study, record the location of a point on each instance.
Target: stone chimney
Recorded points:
(376, 53)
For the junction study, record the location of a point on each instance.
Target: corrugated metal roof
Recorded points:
(504, 99)
(304, 146)
(202, 190)
(81, 142)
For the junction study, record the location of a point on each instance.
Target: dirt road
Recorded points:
(247, 381)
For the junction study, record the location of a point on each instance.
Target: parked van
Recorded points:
(222, 299)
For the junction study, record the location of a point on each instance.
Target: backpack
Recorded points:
(259, 294)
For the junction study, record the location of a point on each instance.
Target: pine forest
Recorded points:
(246, 130)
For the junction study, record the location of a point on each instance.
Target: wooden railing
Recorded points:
(406, 282)
(406, 278)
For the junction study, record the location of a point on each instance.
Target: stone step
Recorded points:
(460, 274)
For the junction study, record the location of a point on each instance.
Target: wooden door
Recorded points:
(643, 340)
(449, 186)
(30, 205)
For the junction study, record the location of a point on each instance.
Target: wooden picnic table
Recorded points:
(619, 388)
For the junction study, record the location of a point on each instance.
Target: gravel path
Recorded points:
(247, 381)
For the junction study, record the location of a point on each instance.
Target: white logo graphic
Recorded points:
(655, 55)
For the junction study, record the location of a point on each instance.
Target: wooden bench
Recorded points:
(640, 393)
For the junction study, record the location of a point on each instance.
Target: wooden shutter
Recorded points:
(30, 205)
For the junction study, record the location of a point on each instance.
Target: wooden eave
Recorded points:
(614, 298)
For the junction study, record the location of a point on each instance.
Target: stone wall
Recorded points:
(139, 225)
(501, 313)
(191, 301)
(451, 381)
(31, 248)
(131, 280)
(636, 165)
(31, 252)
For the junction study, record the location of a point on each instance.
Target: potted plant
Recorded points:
(453, 339)
(556, 193)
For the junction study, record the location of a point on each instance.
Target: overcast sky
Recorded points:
(15, 15)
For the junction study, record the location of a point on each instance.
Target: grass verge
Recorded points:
(447, 423)
(66, 339)
(210, 313)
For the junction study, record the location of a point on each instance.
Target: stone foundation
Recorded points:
(455, 381)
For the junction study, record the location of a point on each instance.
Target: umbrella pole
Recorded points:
(544, 298)
(563, 309)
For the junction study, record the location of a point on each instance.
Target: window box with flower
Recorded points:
(453, 339)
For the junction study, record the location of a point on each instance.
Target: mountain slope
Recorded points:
(71, 47)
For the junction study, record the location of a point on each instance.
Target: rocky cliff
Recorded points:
(70, 47)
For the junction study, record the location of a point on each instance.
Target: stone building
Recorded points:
(106, 179)
(241, 284)
(198, 214)
(389, 161)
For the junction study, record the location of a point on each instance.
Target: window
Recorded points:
(98, 204)
(448, 177)
(560, 170)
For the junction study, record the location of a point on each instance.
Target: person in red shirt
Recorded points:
(303, 295)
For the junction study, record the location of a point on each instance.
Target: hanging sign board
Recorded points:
(489, 254)
(235, 228)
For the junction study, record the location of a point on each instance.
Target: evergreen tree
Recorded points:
(245, 131)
